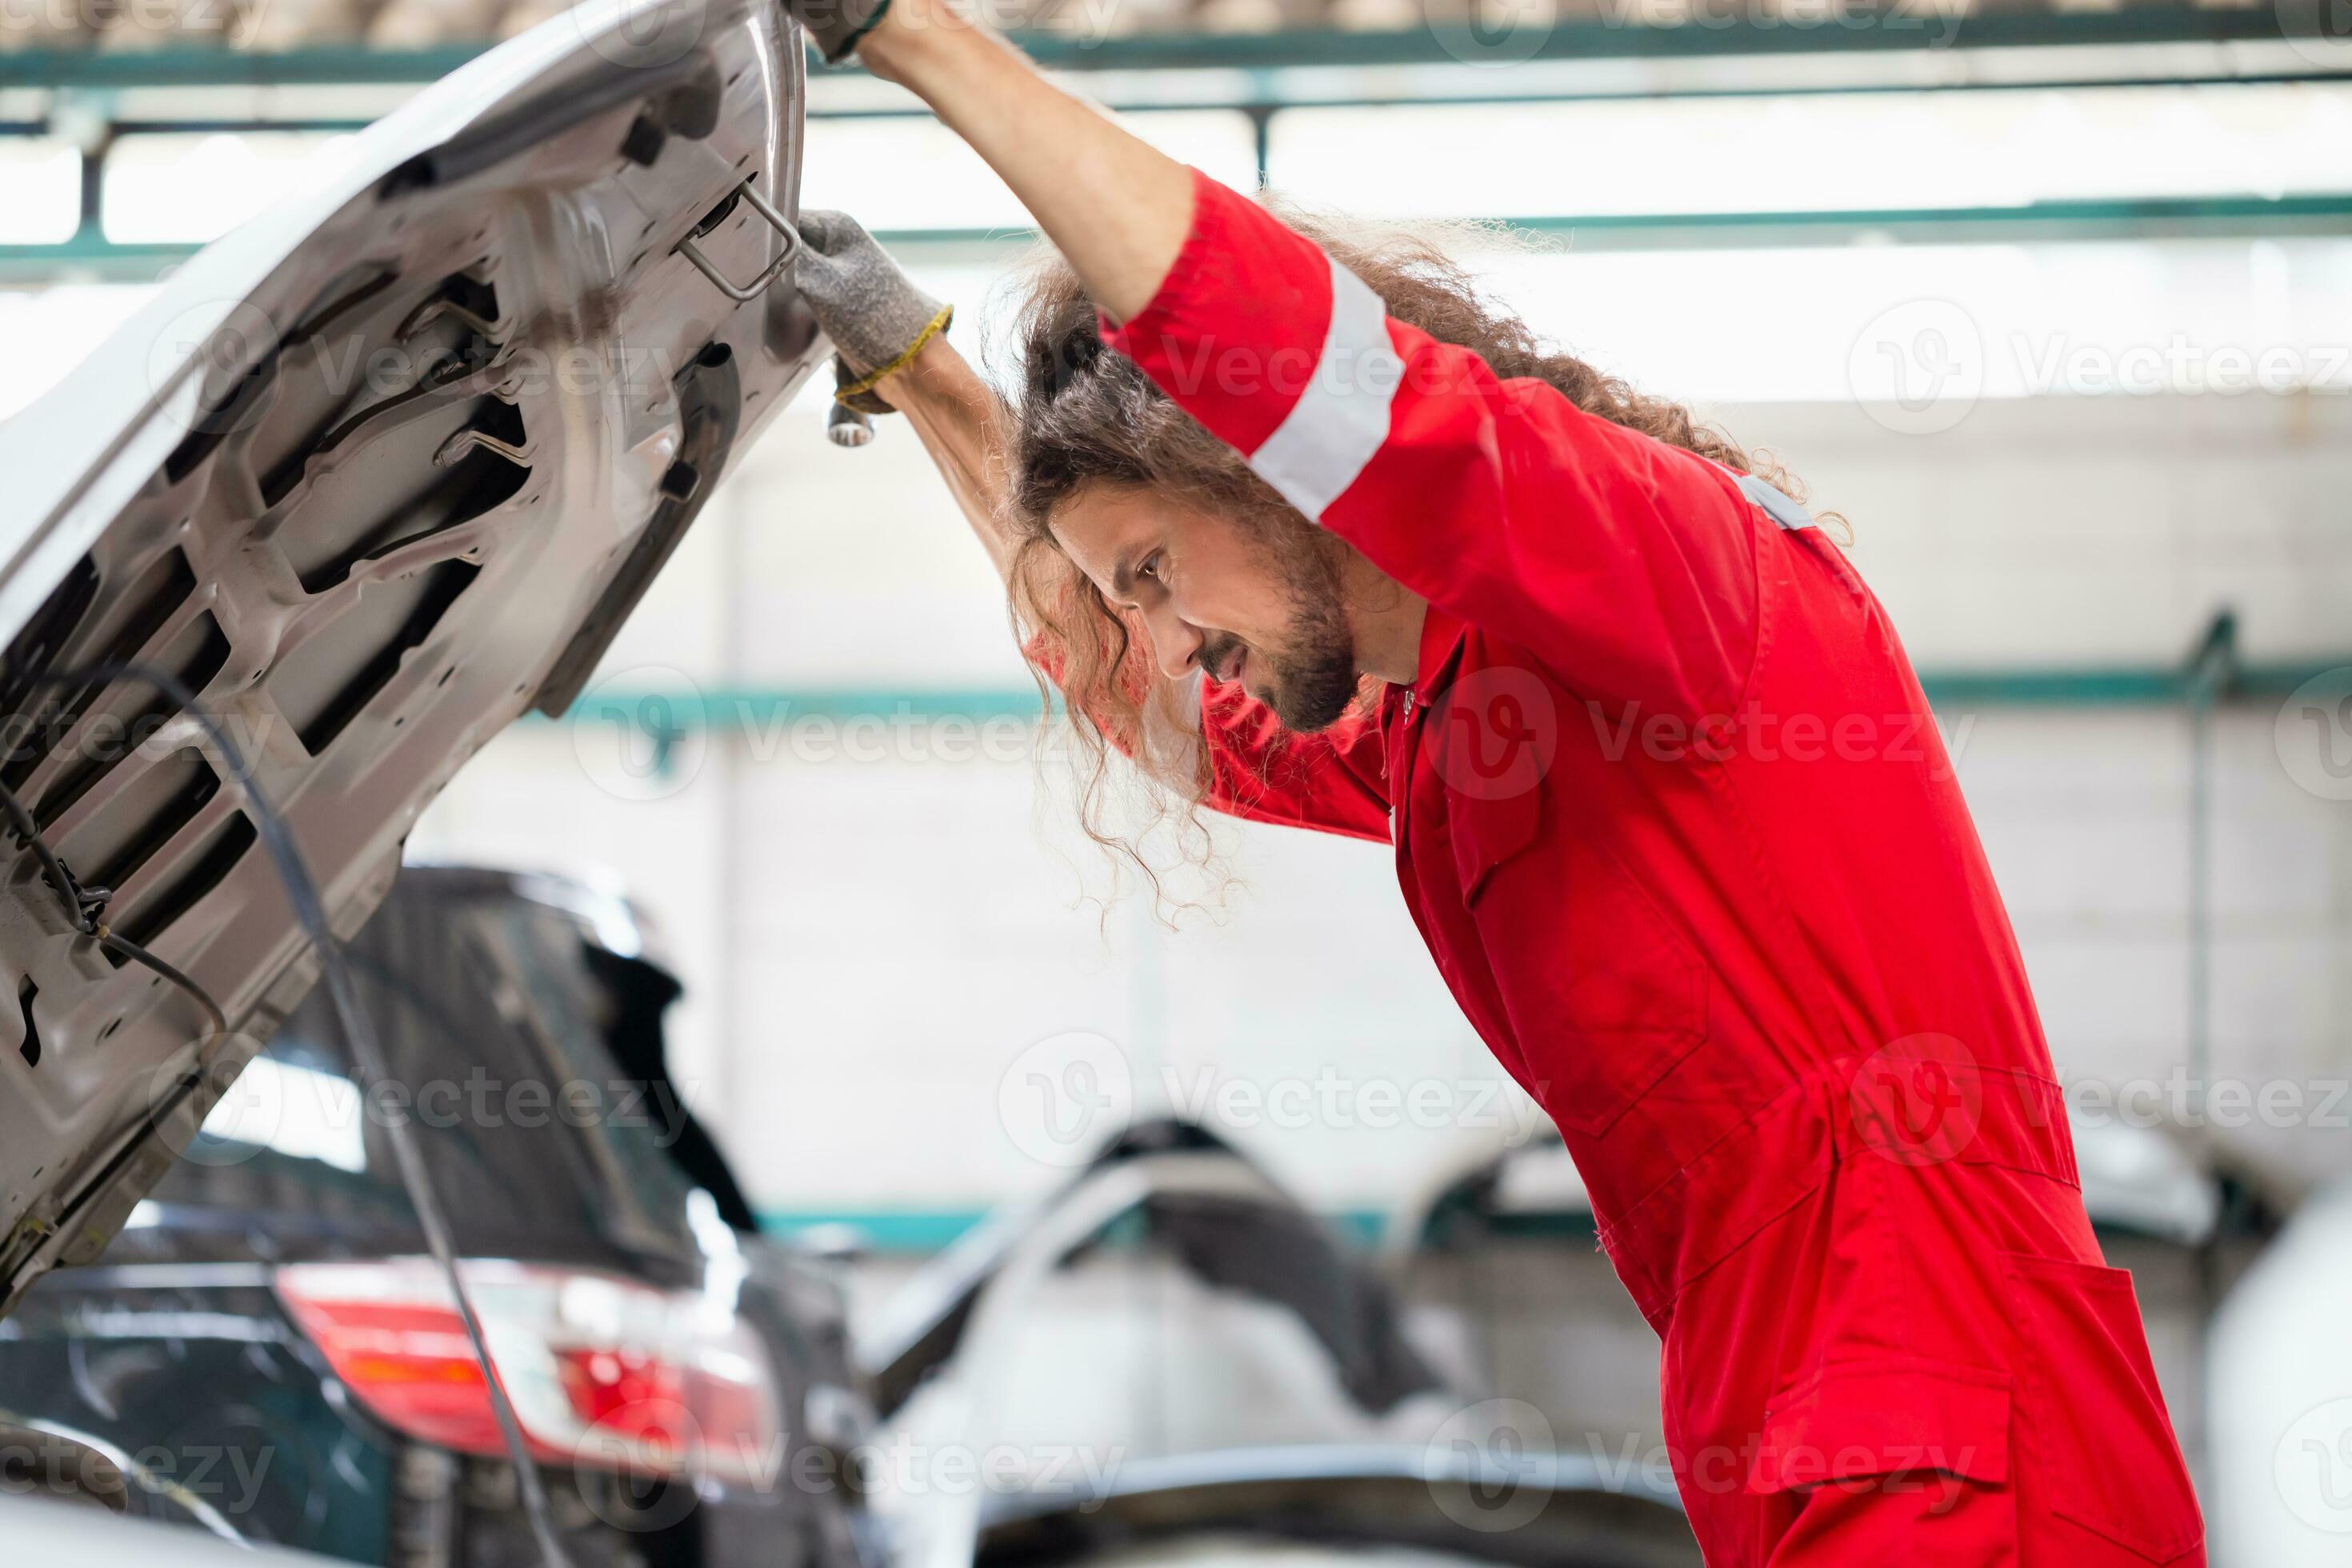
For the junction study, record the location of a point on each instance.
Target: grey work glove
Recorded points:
(836, 25)
(875, 316)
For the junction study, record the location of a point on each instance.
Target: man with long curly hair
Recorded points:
(1317, 536)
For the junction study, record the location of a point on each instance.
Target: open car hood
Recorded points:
(374, 475)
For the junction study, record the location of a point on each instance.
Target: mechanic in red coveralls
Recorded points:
(1316, 537)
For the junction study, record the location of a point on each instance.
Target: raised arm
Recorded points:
(959, 420)
(1627, 566)
(892, 339)
(1116, 207)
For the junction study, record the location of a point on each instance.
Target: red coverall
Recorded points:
(1670, 814)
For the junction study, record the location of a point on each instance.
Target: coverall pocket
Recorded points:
(2091, 1416)
(1889, 1461)
(1904, 1421)
(1602, 994)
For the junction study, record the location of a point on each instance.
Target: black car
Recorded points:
(266, 1350)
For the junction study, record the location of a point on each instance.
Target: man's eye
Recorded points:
(1150, 568)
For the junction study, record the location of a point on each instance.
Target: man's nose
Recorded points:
(1175, 643)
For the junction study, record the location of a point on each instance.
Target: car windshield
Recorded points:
(493, 1024)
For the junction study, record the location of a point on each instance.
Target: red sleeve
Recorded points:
(1334, 782)
(1624, 566)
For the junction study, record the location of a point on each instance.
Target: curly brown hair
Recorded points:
(1086, 416)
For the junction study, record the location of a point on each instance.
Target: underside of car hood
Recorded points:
(372, 476)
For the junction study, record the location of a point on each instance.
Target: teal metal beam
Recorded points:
(2194, 217)
(1891, 26)
(914, 1231)
(187, 65)
(767, 710)
(922, 1230)
(764, 708)
(2176, 687)
(872, 1230)
(1717, 31)
(91, 256)
(2184, 217)
(2146, 218)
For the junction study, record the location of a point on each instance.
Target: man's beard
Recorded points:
(1310, 678)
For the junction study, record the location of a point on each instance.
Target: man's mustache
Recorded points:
(1218, 651)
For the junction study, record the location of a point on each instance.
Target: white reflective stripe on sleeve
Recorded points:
(1776, 503)
(1342, 417)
